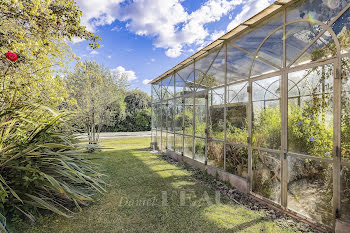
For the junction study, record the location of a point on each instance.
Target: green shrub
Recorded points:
(267, 128)
(39, 167)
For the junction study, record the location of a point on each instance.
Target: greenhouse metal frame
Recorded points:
(268, 104)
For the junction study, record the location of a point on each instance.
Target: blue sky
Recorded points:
(144, 38)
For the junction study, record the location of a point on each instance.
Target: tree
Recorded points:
(38, 32)
(137, 112)
(136, 100)
(39, 167)
(97, 97)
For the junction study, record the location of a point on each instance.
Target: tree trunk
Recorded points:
(98, 132)
(88, 129)
(93, 128)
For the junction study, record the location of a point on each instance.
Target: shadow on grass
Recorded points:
(146, 194)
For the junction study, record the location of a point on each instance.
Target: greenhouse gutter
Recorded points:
(243, 27)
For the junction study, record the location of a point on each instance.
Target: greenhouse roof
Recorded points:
(267, 12)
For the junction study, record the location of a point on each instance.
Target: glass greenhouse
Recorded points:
(269, 103)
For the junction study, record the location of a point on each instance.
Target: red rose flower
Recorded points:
(11, 56)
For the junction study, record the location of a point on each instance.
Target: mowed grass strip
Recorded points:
(147, 194)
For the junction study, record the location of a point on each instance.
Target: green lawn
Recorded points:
(137, 182)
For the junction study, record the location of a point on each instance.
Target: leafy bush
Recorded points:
(39, 167)
(308, 134)
(267, 128)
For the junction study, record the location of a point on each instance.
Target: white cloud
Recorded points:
(77, 40)
(167, 22)
(109, 56)
(171, 26)
(94, 52)
(174, 52)
(146, 81)
(250, 8)
(121, 72)
(98, 12)
(153, 60)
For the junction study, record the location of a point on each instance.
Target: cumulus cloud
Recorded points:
(167, 22)
(94, 52)
(77, 40)
(146, 81)
(98, 12)
(121, 72)
(172, 27)
(174, 52)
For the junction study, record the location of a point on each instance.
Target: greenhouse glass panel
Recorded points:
(159, 139)
(216, 73)
(203, 78)
(260, 68)
(320, 10)
(238, 64)
(216, 154)
(310, 189)
(171, 141)
(203, 64)
(170, 116)
(341, 27)
(156, 92)
(252, 40)
(345, 193)
(237, 113)
(199, 150)
(321, 49)
(179, 85)
(159, 116)
(178, 143)
(272, 49)
(345, 116)
(298, 36)
(216, 113)
(267, 175)
(164, 115)
(178, 121)
(164, 86)
(200, 116)
(164, 140)
(237, 160)
(154, 117)
(266, 113)
(310, 114)
(189, 116)
(187, 75)
(168, 88)
(154, 136)
(188, 147)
